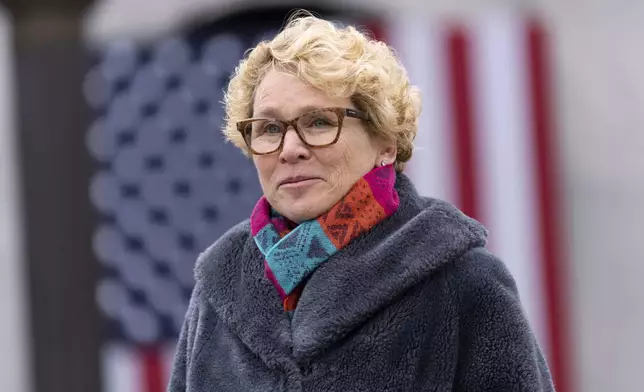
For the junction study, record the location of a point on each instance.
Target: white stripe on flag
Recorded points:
(420, 46)
(122, 369)
(506, 156)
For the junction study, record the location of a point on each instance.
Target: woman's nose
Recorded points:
(293, 148)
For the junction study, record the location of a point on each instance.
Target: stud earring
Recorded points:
(383, 163)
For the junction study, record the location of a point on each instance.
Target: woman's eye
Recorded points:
(272, 128)
(320, 122)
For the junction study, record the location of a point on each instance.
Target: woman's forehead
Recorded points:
(284, 95)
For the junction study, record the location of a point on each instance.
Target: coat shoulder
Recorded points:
(478, 270)
(485, 289)
(227, 247)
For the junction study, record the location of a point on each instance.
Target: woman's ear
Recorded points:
(387, 152)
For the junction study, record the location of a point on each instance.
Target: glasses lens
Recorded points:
(264, 135)
(319, 128)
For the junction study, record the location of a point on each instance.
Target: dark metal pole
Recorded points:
(50, 62)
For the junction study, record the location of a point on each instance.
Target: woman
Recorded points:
(344, 278)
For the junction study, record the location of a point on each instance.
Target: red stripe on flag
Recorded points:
(462, 114)
(376, 30)
(549, 228)
(153, 374)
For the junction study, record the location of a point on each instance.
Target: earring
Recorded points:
(383, 163)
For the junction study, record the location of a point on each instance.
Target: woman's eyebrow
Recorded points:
(272, 112)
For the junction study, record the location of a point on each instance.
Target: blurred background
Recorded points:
(114, 175)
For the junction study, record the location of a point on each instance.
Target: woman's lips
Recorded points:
(299, 183)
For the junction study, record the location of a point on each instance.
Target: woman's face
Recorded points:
(328, 173)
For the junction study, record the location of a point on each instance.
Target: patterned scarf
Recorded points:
(292, 252)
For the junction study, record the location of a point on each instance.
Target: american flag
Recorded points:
(167, 186)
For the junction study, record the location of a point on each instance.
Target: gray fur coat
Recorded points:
(416, 304)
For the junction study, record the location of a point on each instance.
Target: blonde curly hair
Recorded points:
(341, 61)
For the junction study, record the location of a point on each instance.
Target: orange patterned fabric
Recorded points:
(353, 215)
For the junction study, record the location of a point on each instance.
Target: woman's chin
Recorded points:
(303, 209)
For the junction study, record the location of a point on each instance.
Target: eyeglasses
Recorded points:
(318, 128)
